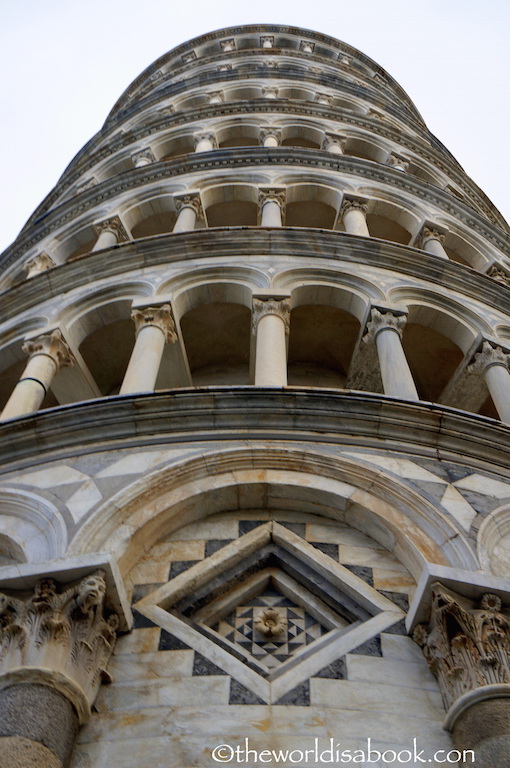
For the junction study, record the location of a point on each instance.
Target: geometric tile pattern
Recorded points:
(302, 629)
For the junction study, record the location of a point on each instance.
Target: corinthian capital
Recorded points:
(266, 133)
(272, 195)
(499, 275)
(332, 138)
(62, 636)
(279, 307)
(379, 321)
(143, 157)
(398, 162)
(38, 264)
(466, 644)
(489, 355)
(53, 345)
(189, 200)
(112, 225)
(158, 317)
(353, 203)
(430, 233)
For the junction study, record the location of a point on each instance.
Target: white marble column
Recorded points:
(110, 232)
(272, 204)
(431, 240)
(493, 363)
(398, 163)
(47, 353)
(353, 212)
(270, 137)
(334, 144)
(143, 157)
(154, 328)
(205, 142)
(271, 321)
(189, 209)
(38, 264)
(386, 329)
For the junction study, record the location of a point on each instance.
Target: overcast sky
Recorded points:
(64, 63)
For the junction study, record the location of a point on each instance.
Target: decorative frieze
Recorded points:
(66, 633)
(467, 642)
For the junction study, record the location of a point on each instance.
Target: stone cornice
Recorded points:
(244, 157)
(223, 243)
(232, 413)
(338, 45)
(437, 155)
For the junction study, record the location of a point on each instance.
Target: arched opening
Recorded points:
(152, 217)
(432, 357)
(231, 206)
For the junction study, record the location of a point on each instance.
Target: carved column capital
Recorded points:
(270, 92)
(189, 200)
(187, 57)
(228, 45)
(306, 46)
(205, 136)
(379, 321)
(398, 162)
(499, 275)
(52, 345)
(323, 98)
(39, 263)
(267, 41)
(272, 195)
(490, 354)
(353, 203)
(332, 138)
(430, 233)
(159, 317)
(279, 307)
(224, 67)
(143, 157)
(216, 97)
(112, 225)
(266, 133)
(467, 642)
(64, 636)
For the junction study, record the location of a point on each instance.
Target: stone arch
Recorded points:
(33, 530)
(231, 205)
(400, 519)
(311, 205)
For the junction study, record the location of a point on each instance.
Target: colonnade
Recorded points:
(271, 316)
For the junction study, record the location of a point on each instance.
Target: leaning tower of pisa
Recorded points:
(254, 440)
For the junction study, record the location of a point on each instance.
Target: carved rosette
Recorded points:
(279, 307)
(379, 321)
(190, 200)
(489, 355)
(112, 225)
(39, 263)
(467, 644)
(53, 345)
(157, 317)
(66, 634)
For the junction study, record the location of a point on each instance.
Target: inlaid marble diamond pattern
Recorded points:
(239, 627)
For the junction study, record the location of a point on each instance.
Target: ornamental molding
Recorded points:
(312, 109)
(244, 157)
(157, 317)
(466, 643)
(263, 307)
(52, 345)
(64, 631)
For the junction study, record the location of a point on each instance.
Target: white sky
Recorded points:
(64, 63)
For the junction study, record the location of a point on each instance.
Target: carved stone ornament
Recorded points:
(191, 56)
(215, 97)
(53, 345)
(269, 92)
(262, 307)
(498, 274)
(228, 45)
(331, 138)
(489, 355)
(112, 225)
(467, 645)
(353, 203)
(223, 67)
(205, 136)
(429, 233)
(158, 317)
(272, 195)
(271, 622)
(305, 46)
(323, 98)
(267, 41)
(39, 263)
(379, 321)
(191, 200)
(268, 132)
(66, 633)
(143, 157)
(397, 162)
